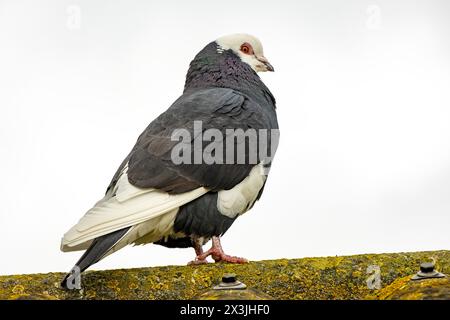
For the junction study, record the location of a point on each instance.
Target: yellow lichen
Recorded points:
(18, 289)
(309, 278)
(406, 289)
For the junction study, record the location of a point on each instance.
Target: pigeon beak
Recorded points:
(269, 67)
(266, 63)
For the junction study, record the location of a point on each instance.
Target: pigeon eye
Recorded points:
(246, 48)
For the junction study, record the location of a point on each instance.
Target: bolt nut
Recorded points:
(229, 282)
(427, 267)
(427, 271)
(229, 278)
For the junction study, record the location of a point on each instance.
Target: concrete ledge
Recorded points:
(307, 278)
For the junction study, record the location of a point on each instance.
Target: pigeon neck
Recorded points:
(222, 68)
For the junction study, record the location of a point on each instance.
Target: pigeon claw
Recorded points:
(216, 252)
(227, 258)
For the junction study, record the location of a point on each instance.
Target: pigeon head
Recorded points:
(233, 62)
(248, 48)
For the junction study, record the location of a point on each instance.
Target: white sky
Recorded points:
(363, 97)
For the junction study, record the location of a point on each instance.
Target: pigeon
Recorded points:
(164, 192)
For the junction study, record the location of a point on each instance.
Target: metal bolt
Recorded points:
(427, 271)
(229, 278)
(427, 267)
(229, 282)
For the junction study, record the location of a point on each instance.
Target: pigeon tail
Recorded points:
(97, 250)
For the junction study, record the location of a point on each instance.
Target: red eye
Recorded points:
(246, 48)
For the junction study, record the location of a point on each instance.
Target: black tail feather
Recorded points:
(99, 247)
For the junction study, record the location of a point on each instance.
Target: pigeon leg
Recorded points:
(216, 252)
(198, 247)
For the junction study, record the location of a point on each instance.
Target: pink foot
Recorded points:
(200, 258)
(216, 252)
(222, 257)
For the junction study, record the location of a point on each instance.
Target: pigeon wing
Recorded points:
(150, 162)
(148, 184)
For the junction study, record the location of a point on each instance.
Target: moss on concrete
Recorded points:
(307, 278)
(405, 289)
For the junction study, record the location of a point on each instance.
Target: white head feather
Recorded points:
(254, 57)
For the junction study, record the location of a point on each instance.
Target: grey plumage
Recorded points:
(224, 93)
(150, 165)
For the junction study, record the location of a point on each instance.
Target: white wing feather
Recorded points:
(124, 206)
